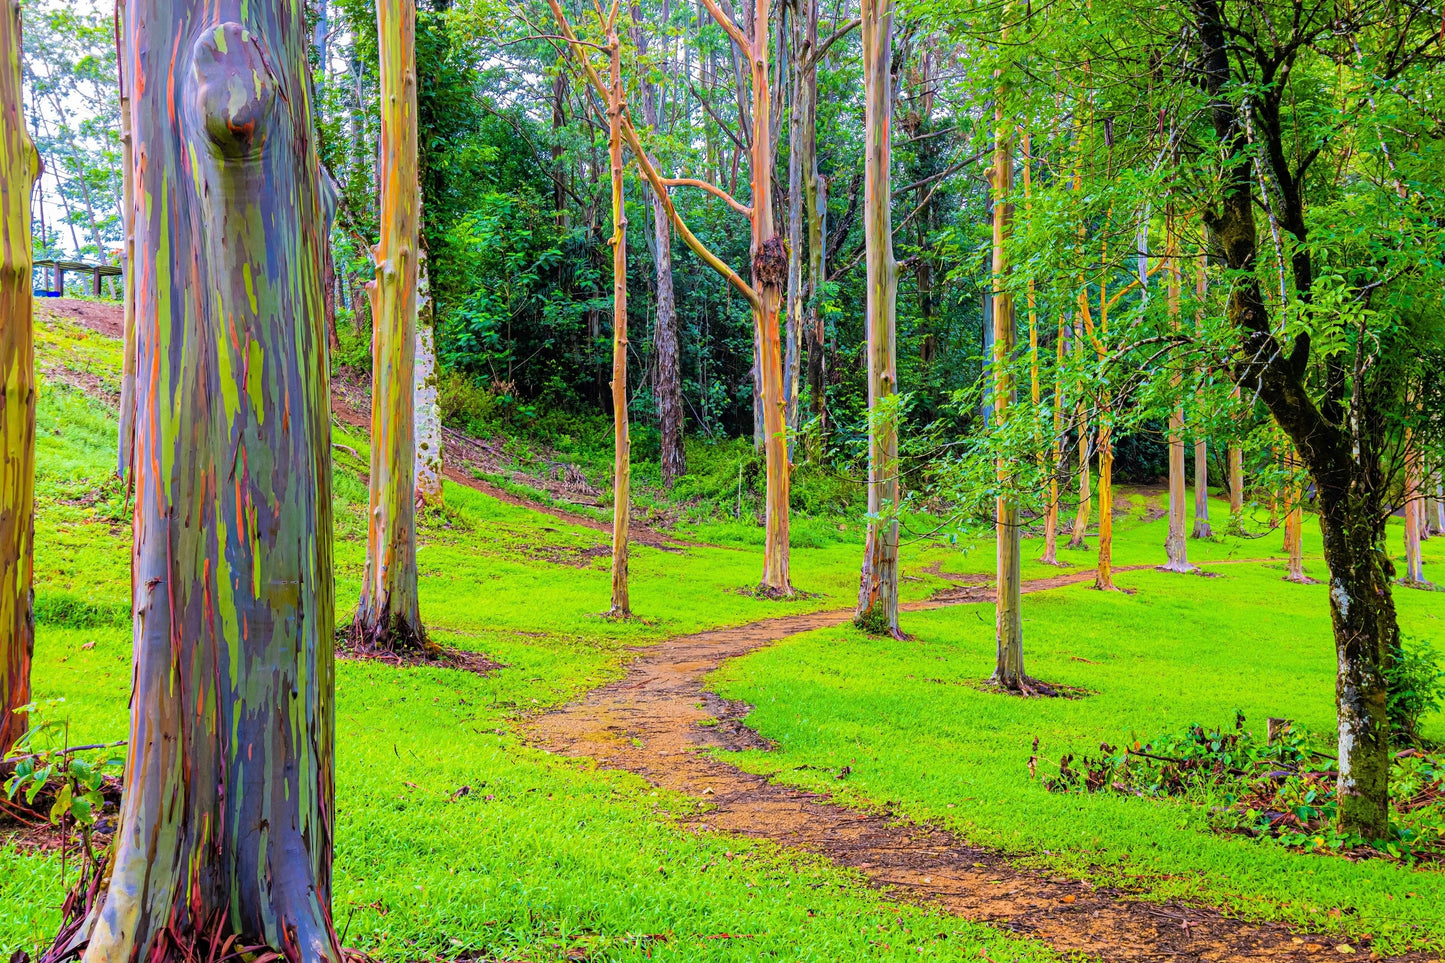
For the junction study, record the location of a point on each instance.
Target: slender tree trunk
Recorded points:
(225, 829)
(1008, 670)
(1236, 489)
(622, 446)
(389, 615)
(1056, 453)
(793, 313)
(1202, 528)
(1294, 525)
(427, 479)
(1081, 416)
(1414, 491)
(126, 434)
(1105, 578)
(1176, 545)
(878, 595)
(19, 169)
(669, 364)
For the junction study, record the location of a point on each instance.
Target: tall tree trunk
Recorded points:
(770, 271)
(1176, 545)
(19, 169)
(1056, 451)
(427, 479)
(389, 614)
(793, 310)
(622, 446)
(1081, 416)
(1343, 459)
(878, 593)
(1202, 528)
(1236, 489)
(126, 434)
(1008, 670)
(673, 456)
(225, 827)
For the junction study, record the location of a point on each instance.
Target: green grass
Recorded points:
(920, 735)
(544, 855)
(541, 855)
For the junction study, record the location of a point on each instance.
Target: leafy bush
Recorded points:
(1283, 792)
(1416, 686)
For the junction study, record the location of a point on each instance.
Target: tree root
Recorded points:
(394, 636)
(1030, 688)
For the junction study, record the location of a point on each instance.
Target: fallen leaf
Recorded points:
(1070, 898)
(1344, 948)
(1313, 947)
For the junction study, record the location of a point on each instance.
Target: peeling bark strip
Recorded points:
(878, 592)
(428, 480)
(226, 824)
(389, 615)
(19, 166)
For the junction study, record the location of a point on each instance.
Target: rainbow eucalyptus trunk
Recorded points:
(225, 829)
(389, 614)
(1081, 517)
(622, 447)
(19, 166)
(1176, 546)
(878, 593)
(427, 480)
(1236, 490)
(1008, 670)
(770, 274)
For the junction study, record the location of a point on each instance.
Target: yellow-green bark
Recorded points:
(19, 166)
(389, 614)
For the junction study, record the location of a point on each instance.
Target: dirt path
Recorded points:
(649, 723)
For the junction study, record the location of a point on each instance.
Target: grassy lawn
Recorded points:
(918, 735)
(540, 856)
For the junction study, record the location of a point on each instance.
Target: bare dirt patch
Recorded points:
(104, 317)
(658, 722)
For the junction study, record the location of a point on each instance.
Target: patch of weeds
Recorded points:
(1416, 685)
(1282, 791)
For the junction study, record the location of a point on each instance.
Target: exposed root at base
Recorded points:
(1028, 687)
(435, 657)
(390, 636)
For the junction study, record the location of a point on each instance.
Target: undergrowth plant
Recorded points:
(1281, 789)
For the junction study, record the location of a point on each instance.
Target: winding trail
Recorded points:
(648, 723)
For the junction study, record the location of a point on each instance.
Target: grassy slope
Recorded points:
(542, 855)
(1183, 649)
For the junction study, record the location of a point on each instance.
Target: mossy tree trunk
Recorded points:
(1342, 454)
(878, 593)
(226, 824)
(19, 167)
(389, 614)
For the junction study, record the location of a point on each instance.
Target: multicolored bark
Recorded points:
(225, 827)
(878, 590)
(1414, 514)
(1008, 623)
(621, 444)
(389, 614)
(1202, 528)
(19, 167)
